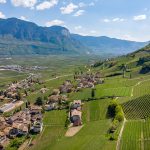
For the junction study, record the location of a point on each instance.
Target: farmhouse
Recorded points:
(56, 92)
(75, 113)
(54, 101)
(37, 127)
(43, 90)
(36, 119)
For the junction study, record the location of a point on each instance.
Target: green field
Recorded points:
(136, 135)
(6, 77)
(53, 131)
(121, 91)
(94, 131)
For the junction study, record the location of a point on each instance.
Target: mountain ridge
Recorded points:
(19, 37)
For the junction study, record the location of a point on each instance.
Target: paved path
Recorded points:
(67, 75)
(120, 135)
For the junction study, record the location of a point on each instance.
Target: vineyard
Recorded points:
(137, 108)
(136, 135)
(121, 91)
(142, 89)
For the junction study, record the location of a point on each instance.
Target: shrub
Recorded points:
(114, 126)
(67, 122)
(119, 116)
(39, 101)
(113, 137)
(15, 143)
(118, 109)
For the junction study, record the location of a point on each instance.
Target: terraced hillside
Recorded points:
(131, 65)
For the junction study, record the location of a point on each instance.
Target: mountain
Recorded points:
(18, 37)
(105, 44)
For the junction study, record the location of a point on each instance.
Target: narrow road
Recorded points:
(120, 134)
(67, 75)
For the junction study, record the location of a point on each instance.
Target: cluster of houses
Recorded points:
(12, 94)
(88, 80)
(12, 89)
(75, 113)
(66, 87)
(19, 68)
(21, 123)
(56, 100)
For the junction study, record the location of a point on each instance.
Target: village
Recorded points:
(19, 68)
(28, 120)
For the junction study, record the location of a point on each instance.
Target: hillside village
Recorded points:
(29, 119)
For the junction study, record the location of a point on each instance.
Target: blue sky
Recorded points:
(125, 19)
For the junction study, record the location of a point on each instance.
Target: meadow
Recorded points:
(92, 135)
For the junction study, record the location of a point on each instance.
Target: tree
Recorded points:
(123, 68)
(119, 116)
(130, 75)
(93, 93)
(39, 101)
(112, 108)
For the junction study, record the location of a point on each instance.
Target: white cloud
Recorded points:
(118, 20)
(54, 22)
(3, 1)
(24, 3)
(46, 4)
(114, 20)
(79, 13)
(23, 18)
(69, 8)
(139, 17)
(78, 27)
(2, 16)
(106, 20)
